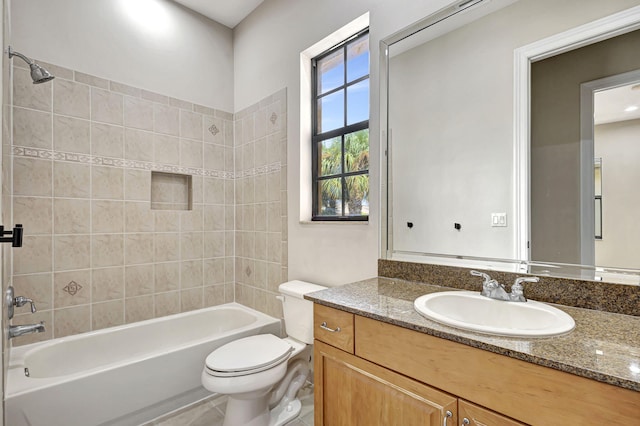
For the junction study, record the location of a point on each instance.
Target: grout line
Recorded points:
(90, 201)
(123, 219)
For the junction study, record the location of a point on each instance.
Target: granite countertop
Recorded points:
(603, 346)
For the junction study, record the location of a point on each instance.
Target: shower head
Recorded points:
(38, 73)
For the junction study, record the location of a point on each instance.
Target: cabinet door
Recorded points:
(474, 415)
(350, 391)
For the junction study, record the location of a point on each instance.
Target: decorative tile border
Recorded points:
(45, 154)
(256, 171)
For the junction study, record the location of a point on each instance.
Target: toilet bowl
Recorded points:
(262, 374)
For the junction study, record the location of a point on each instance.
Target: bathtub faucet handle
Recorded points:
(21, 301)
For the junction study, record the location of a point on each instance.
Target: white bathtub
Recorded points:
(123, 375)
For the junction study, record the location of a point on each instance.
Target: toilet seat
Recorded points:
(248, 355)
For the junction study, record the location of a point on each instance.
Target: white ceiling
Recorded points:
(226, 12)
(610, 104)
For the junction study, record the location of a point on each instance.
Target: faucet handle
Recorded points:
(517, 289)
(21, 301)
(518, 282)
(484, 276)
(489, 285)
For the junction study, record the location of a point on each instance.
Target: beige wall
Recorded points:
(617, 145)
(95, 254)
(555, 140)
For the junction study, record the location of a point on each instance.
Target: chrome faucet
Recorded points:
(20, 330)
(493, 290)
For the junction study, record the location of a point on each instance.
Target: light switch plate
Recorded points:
(498, 219)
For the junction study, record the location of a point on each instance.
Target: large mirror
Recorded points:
(512, 137)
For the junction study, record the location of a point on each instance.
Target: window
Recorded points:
(340, 138)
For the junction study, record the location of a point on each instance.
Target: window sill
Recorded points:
(334, 222)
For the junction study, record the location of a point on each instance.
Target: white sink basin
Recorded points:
(471, 311)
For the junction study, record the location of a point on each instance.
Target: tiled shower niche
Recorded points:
(96, 254)
(170, 191)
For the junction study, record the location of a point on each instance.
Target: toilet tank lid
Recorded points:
(298, 288)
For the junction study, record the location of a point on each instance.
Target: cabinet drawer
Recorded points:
(333, 327)
(480, 416)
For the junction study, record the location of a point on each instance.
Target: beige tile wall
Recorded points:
(95, 254)
(261, 203)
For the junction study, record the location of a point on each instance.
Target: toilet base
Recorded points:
(250, 410)
(255, 412)
(281, 415)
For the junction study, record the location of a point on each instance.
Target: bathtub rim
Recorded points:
(18, 354)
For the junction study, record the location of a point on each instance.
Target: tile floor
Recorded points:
(210, 412)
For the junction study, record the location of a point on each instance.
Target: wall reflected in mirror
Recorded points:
(617, 198)
(450, 132)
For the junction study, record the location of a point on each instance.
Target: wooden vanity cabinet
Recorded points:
(381, 374)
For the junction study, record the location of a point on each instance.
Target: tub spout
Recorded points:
(20, 330)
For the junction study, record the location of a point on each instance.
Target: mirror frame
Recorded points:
(613, 25)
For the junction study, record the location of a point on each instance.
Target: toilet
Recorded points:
(262, 374)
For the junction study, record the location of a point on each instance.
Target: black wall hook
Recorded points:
(16, 235)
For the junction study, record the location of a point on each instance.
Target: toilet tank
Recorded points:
(298, 312)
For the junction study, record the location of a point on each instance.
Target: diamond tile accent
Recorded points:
(213, 129)
(273, 118)
(248, 271)
(72, 288)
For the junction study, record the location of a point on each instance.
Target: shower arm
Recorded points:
(38, 74)
(13, 53)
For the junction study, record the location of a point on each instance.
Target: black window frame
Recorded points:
(342, 131)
